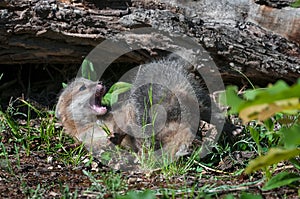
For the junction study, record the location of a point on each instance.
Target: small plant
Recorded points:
(152, 154)
(296, 4)
(38, 192)
(106, 183)
(148, 158)
(111, 97)
(88, 70)
(183, 165)
(66, 192)
(6, 162)
(277, 105)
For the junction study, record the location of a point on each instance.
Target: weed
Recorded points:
(181, 166)
(148, 156)
(66, 192)
(266, 109)
(38, 192)
(17, 155)
(7, 163)
(7, 120)
(39, 133)
(105, 183)
(240, 72)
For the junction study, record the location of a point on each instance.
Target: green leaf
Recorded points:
(231, 99)
(123, 86)
(88, 70)
(261, 104)
(251, 94)
(265, 103)
(106, 99)
(250, 196)
(281, 179)
(111, 97)
(269, 124)
(275, 155)
(114, 98)
(296, 163)
(64, 85)
(291, 136)
(254, 134)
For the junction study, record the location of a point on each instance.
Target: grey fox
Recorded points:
(162, 110)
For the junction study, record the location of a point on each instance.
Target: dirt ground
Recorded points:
(38, 173)
(45, 175)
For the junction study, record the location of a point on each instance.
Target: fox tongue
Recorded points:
(101, 110)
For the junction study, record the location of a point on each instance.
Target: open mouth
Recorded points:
(95, 101)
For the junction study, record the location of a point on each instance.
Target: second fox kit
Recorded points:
(164, 104)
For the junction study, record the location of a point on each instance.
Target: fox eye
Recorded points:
(82, 88)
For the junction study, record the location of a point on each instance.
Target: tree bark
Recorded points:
(248, 36)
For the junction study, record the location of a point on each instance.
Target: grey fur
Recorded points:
(177, 99)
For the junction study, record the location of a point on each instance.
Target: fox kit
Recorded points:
(161, 110)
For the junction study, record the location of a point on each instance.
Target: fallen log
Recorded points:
(260, 41)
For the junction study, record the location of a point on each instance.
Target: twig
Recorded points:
(210, 169)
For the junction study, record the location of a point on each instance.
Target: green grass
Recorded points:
(27, 131)
(39, 133)
(5, 163)
(109, 183)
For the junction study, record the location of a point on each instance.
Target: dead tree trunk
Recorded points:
(259, 40)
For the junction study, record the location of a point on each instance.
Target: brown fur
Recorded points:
(78, 118)
(174, 135)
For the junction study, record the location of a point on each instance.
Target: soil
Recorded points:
(38, 172)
